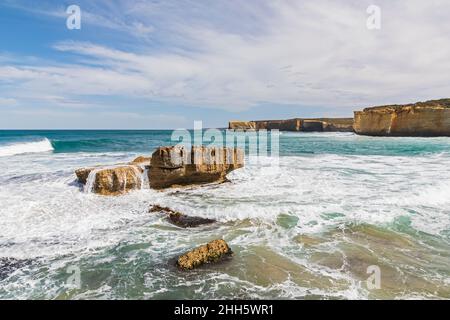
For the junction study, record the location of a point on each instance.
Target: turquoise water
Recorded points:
(143, 141)
(310, 228)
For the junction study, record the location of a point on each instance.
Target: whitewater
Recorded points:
(337, 204)
(26, 147)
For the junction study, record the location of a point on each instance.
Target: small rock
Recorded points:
(211, 252)
(181, 220)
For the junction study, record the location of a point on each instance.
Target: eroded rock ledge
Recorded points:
(297, 124)
(426, 119)
(180, 166)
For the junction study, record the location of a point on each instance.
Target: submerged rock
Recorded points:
(111, 180)
(181, 220)
(180, 166)
(287, 221)
(431, 118)
(211, 252)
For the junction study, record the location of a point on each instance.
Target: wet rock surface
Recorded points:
(181, 220)
(211, 252)
(111, 181)
(83, 174)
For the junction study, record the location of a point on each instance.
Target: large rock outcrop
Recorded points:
(427, 119)
(181, 166)
(297, 124)
(211, 252)
(109, 181)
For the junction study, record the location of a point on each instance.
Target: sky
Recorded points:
(163, 64)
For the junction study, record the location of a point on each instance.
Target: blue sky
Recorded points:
(164, 64)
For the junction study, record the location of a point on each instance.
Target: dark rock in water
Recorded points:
(9, 265)
(211, 252)
(184, 221)
(181, 220)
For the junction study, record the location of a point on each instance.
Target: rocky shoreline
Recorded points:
(421, 119)
(178, 166)
(170, 166)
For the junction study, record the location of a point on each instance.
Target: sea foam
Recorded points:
(26, 147)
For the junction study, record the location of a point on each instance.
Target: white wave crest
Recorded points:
(26, 147)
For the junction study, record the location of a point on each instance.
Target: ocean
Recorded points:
(343, 217)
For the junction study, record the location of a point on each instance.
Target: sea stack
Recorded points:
(423, 119)
(181, 166)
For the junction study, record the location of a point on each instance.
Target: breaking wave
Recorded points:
(26, 147)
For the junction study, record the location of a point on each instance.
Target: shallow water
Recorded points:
(338, 204)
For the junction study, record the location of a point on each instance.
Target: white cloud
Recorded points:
(8, 102)
(237, 54)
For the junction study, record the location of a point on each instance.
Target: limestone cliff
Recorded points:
(427, 119)
(297, 124)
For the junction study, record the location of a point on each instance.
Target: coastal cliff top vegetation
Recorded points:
(440, 103)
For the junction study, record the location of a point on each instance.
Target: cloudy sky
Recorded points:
(165, 63)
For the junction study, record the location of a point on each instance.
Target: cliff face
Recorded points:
(242, 125)
(431, 118)
(322, 124)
